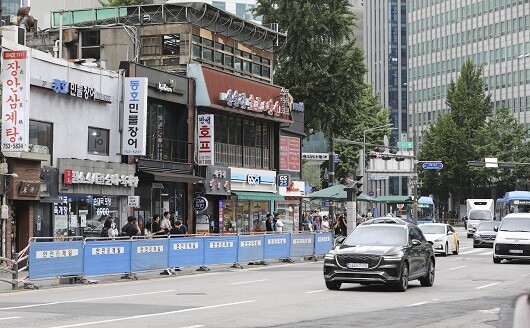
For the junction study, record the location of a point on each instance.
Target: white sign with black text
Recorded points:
(134, 116)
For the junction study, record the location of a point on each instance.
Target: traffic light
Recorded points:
(379, 149)
(354, 187)
(371, 156)
(393, 150)
(399, 159)
(386, 157)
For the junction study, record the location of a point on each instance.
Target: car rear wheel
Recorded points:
(496, 259)
(446, 250)
(469, 235)
(455, 252)
(428, 279)
(333, 285)
(403, 282)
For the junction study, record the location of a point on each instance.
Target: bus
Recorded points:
(425, 210)
(512, 202)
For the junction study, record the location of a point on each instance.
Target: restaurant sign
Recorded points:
(272, 107)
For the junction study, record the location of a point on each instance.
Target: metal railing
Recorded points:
(13, 267)
(170, 150)
(237, 155)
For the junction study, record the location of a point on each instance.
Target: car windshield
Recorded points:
(480, 215)
(378, 235)
(432, 229)
(515, 224)
(488, 226)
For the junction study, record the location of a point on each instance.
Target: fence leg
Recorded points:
(14, 274)
(236, 266)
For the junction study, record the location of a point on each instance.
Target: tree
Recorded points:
(322, 67)
(311, 174)
(122, 3)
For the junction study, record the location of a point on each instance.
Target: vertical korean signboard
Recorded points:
(205, 143)
(284, 153)
(134, 116)
(290, 154)
(15, 97)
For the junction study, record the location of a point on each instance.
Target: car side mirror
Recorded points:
(416, 242)
(496, 229)
(449, 233)
(339, 240)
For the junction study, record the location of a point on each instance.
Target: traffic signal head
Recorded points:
(399, 159)
(359, 192)
(393, 150)
(379, 149)
(371, 156)
(386, 157)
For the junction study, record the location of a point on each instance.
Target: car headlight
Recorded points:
(329, 256)
(394, 257)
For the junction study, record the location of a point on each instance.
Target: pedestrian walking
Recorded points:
(131, 228)
(278, 224)
(268, 223)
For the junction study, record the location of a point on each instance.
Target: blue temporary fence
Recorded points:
(103, 256)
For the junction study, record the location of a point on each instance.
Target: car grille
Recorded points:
(372, 260)
(504, 249)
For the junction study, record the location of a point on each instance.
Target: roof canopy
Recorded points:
(337, 193)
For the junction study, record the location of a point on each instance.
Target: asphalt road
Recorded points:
(469, 290)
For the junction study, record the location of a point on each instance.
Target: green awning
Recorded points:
(393, 199)
(254, 195)
(337, 193)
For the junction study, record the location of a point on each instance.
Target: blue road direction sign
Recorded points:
(336, 158)
(433, 166)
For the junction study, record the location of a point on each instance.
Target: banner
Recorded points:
(205, 143)
(15, 101)
(134, 116)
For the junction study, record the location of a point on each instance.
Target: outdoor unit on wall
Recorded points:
(40, 149)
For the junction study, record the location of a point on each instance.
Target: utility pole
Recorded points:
(331, 174)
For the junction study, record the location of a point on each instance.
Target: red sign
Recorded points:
(284, 153)
(67, 177)
(294, 154)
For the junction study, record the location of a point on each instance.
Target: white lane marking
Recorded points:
(494, 311)
(488, 285)
(424, 302)
(524, 275)
(248, 282)
(154, 314)
(8, 318)
(84, 300)
(469, 252)
(316, 291)
(194, 326)
(456, 268)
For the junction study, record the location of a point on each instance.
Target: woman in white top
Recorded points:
(324, 227)
(279, 225)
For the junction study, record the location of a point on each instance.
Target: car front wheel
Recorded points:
(333, 285)
(496, 260)
(403, 282)
(428, 279)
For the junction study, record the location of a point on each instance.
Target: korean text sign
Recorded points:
(134, 116)
(205, 143)
(15, 97)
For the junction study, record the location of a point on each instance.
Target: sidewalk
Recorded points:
(155, 274)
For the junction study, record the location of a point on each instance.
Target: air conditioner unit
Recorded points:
(39, 149)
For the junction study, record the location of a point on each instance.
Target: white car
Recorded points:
(443, 236)
(513, 238)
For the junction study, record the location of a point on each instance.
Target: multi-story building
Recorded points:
(241, 8)
(235, 111)
(10, 7)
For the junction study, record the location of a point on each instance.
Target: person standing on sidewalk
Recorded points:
(268, 223)
(165, 224)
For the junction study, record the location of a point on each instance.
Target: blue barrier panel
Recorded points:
(302, 244)
(323, 243)
(277, 246)
(52, 259)
(219, 250)
(149, 254)
(186, 251)
(250, 248)
(107, 256)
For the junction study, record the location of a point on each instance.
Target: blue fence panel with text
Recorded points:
(52, 259)
(302, 244)
(250, 248)
(277, 246)
(220, 250)
(149, 254)
(107, 257)
(186, 251)
(323, 243)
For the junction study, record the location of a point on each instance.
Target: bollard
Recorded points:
(14, 272)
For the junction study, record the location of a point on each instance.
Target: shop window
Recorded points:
(90, 44)
(98, 141)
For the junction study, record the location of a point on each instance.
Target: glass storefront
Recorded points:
(244, 216)
(289, 211)
(84, 215)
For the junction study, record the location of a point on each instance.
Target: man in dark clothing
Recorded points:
(177, 228)
(131, 228)
(268, 223)
(155, 227)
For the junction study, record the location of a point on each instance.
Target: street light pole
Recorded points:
(414, 153)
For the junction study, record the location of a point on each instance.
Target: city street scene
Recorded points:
(265, 163)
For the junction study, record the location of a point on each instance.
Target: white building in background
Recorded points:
(241, 8)
(443, 35)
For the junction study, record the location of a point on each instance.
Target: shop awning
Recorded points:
(393, 199)
(174, 177)
(254, 195)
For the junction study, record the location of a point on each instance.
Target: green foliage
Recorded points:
(466, 134)
(122, 3)
(311, 174)
(322, 67)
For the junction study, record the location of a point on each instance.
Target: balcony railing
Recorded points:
(241, 156)
(170, 150)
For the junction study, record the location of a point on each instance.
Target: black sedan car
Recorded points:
(381, 251)
(485, 234)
